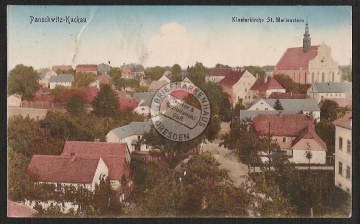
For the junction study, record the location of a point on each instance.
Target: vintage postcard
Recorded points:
(179, 111)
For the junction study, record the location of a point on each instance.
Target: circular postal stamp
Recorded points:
(180, 111)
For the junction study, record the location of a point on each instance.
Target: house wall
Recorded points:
(126, 73)
(344, 157)
(54, 84)
(143, 110)
(314, 94)
(299, 156)
(304, 145)
(241, 89)
(283, 145)
(93, 72)
(102, 169)
(111, 137)
(13, 101)
(328, 66)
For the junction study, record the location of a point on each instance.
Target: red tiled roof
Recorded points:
(18, 210)
(62, 169)
(309, 133)
(232, 78)
(56, 68)
(180, 94)
(295, 58)
(281, 125)
(345, 121)
(98, 148)
(261, 85)
(126, 102)
(279, 95)
(219, 71)
(86, 68)
(89, 93)
(38, 97)
(113, 154)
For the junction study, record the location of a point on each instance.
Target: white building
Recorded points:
(144, 102)
(131, 134)
(237, 84)
(14, 100)
(61, 80)
(319, 91)
(164, 79)
(304, 106)
(343, 152)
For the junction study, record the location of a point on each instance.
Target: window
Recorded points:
(340, 143)
(266, 108)
(284, 139)
(330, 94)
(340, 168)
(348, 148)
(348, 172)
(58, 187)
(79, 187)
(335, 94)
(245, 90)
(257, 108)
(326, 94)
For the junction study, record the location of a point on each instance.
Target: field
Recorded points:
(32, 112)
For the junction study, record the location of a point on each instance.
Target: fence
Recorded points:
(43, 105)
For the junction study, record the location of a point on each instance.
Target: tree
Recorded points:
(170, 151)
(25, 135)
(236, 111)
(75, 106)
(199, 187)
(18, 181)
(326, 131)
(255, 70)
(176, 69)
(105, 103)
(197, 74)
(277, 105)
(290, 85)
(23, 80)
(329, 110)
(154, 73)
(83, 79)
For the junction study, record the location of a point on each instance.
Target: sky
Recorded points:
(168, 35)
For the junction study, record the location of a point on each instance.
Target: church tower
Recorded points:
(306, 39)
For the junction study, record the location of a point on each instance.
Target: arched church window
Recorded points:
(333, 77)
(323, 77)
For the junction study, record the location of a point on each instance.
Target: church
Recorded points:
(308, 64)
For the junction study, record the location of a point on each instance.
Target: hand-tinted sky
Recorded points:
(153, 35)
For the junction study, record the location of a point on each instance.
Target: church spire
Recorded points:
(306, 39)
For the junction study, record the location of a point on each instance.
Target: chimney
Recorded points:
(266, 79)
(72, 154)
(97, 140)
(257, 75)
(280, 114)
(290, 93)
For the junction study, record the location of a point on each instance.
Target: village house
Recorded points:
(61, 68)
(305, 106)
(163, 78)
(295, 135)
(87, 68)
(279, 95)
(67, 170)
(144, 102)
(131, 134)
(237, 84)
(264, 86)
(44, 76)
(308, 64)
(61, 80)
(343, 152)
(115, 155)
(319, 91)
(103, 68)
(126, 102)
(131, 71)
(17, 210)
(14, 100)
(217, 74)
(144, 82)
(156, 85)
